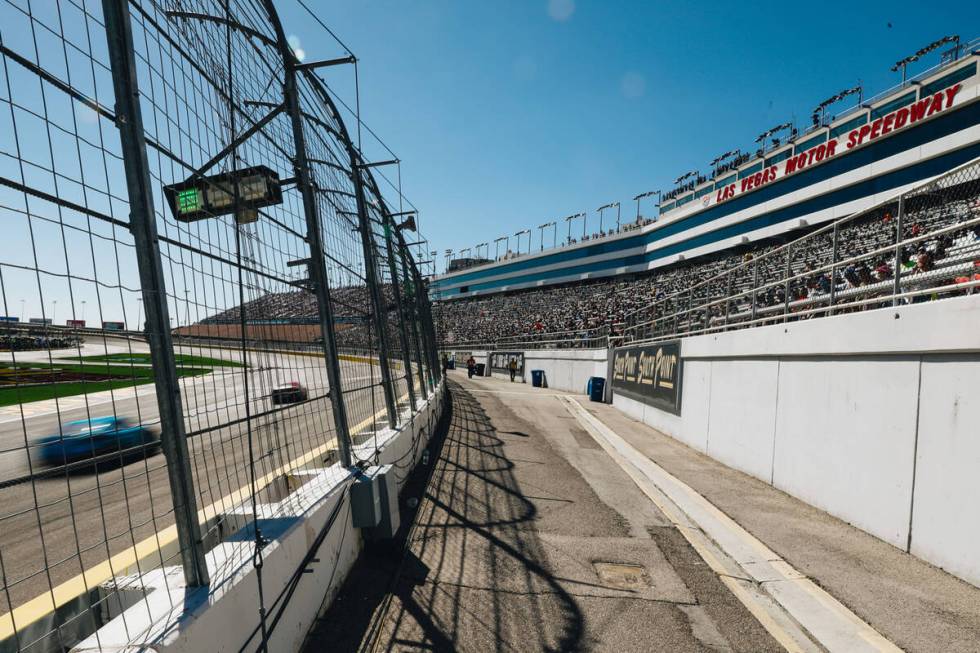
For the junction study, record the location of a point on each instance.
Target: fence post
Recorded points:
(833, 270)
(786, 288)
(402, 314)
(429, 325)
(316, 266)
(728, 296)
(899, 228)
(378, 311)
(142, 224)
(419, 339)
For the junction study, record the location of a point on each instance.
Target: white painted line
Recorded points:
(792, 597)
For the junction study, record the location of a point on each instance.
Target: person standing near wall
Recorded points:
(470, 366)
(512, 366)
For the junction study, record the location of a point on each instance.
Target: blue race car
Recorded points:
(87, 438)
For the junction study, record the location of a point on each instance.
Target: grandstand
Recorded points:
(842, 164)
(941, 246)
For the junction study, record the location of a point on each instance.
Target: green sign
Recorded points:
(189, 201)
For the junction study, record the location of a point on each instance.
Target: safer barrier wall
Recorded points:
(872, 416)
(224, 615)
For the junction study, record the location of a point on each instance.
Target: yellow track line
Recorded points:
(120, 563)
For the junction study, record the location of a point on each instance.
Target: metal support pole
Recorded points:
(417, 316)
(142, 224)
(402, 316)
(899, 229)
(317, 268)
(374, 289)
(428, 329)
(690, 302)
(789, 273)
(728, 296)
(833, 269)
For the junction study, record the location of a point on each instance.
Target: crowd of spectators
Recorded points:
(26, 341)
(583, 310)
(935, 254)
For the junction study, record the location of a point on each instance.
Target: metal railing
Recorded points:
(922, 245)
(101, 108)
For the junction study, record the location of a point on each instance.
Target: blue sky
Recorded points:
(506, 114)
(511, 113)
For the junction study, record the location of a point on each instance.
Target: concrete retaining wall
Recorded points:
(567, 369)
(221, 617)
(872, 416)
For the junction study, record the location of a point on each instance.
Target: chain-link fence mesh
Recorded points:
(295, 332)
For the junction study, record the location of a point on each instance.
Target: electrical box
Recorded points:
(374, 502)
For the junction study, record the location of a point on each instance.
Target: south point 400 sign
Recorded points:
(650, 374)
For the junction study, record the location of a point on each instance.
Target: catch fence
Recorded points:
(171, 171)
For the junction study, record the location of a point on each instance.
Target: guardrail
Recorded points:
(107, 109)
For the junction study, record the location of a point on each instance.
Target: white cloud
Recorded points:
(296, 46)
(561, 10)
(633, 85)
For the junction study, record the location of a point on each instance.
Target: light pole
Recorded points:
(187, 306)
(496, 248)
(568, 220)
(518, 235)
(139, 314)
(641, 196)
(542, 227)
(449, 257)
(485, 253)
(54, 309)
(585, 222)
(23, 309)
(608, 206)
(83, 312)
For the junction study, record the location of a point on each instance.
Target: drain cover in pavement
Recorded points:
(621, 575)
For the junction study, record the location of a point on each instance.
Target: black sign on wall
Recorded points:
(500, 361)
(650, 374)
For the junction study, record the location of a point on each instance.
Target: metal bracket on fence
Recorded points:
(374, 290)
(422, 338)
(899, 229)
(402, 317)
(142, 224)
(316, 266)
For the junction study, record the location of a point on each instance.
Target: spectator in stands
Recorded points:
(924, 261)
(882, 271)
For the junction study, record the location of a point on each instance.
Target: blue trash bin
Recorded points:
(537, 378)
(597, 387)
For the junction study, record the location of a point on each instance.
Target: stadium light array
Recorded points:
(903, 63)
(639, 197)
(820, 110)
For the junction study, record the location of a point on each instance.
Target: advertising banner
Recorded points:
(500, 361)
(650, 374)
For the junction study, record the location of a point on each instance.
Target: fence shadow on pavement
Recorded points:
(471, 575)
